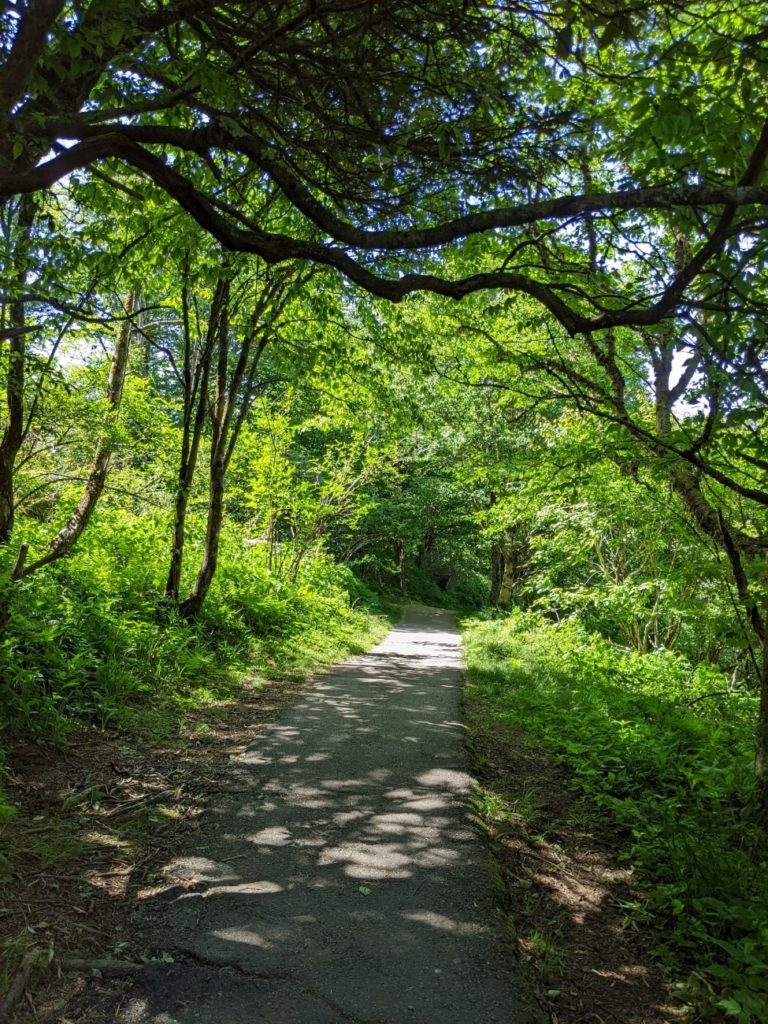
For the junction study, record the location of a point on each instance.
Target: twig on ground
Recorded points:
(78, 796)
(539, 856)
(32, 1006)
(107, 967)
(19, 983)
(139, 801)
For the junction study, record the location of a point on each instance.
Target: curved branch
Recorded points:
(217, 136)
(36, 20)
(277, 248)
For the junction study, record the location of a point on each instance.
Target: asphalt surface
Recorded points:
(340, 878)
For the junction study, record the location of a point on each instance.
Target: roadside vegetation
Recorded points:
(309, 310)
(622, 656)
(660, 767)
(89, 645)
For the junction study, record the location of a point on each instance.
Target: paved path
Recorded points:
(341, 880)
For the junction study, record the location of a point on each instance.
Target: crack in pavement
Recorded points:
(188, 956)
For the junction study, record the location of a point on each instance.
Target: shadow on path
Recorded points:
(340, 878)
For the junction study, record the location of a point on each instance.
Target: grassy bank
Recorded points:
(668, 772)
(89, 641)
(120, 719)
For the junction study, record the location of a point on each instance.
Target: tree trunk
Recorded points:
(13, 435)
(195, 379)
(233, 399)
(220, 418)
(761, 737)
(224, 439)
(497, 572)
(226, 431)
(192, 435)
(738, 546)
(68, 535)
(173, 582)
(426, 547)
(513, 558)
(507, 587)
(193, 605)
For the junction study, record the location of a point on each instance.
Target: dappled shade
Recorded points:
(342, 865)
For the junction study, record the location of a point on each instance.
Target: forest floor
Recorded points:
(102, 822)
(98, 819)
(574, 906)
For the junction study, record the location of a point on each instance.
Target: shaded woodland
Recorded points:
(307, 309)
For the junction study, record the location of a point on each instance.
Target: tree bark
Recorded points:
(738, 546)
(13, 435)
(68, 535)
(761, 736)
(401, 562)
(233, 399)
(513, 557)
(193, 605)
(497, 572)
(507, 585)
(225, 432)
(196, 376)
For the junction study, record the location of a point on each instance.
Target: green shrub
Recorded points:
(89, 638)
(7, 810)
(672, 773)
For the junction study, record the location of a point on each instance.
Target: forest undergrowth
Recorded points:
(89, 641)
(222, 431)
(662, 754)
(120, 718)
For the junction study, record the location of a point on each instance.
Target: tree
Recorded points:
(599, 169)
(18, 244)
(62, 543)
(260, 300)
(688, 403)
(388, 128)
